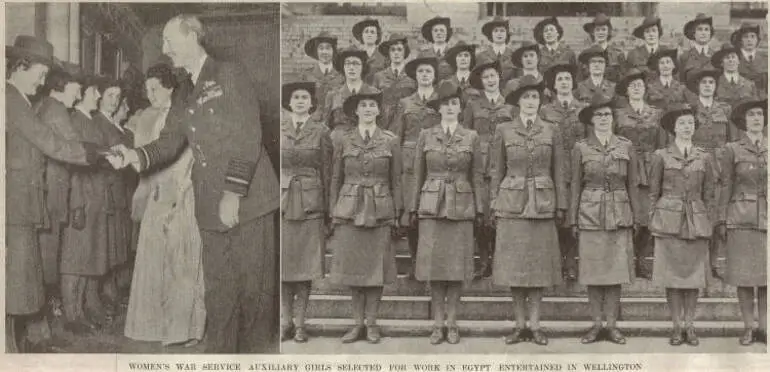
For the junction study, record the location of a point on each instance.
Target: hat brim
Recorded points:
(350, 104)
(537, 31)
(411, 67)
(311, 46)
(652, 62)
(590, 26)
(689, 27)
(452, 53)
(435, 104)
(585, 57)
(475, 76)
(384, 47)
(341, 56)
(14, 52)
(585, 114)
(668, 119)
(513, 97)
(518, 53)
(289, 88)
(621, 88)
(694, 81)
(739, 112)
(427, 28)
(490, 26)
(716, 59)
(737, 35)
(639, 30)
(359, 27)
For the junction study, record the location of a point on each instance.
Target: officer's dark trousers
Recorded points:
(241, 275)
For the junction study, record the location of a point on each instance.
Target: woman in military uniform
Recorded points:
(497, 31)
(446, 203)
(732, 87)
(563, 111)
(368, 33)
(753, 63)
(604, 179)
(437, 31)
(323, 49)
(305, 173)
(351, 63)
(742, 216)
(526, 59)
(714, 126)
(393, 81)
(528, 202)
(699, 31)
(462, 59)
(365, 202)
(663, 87)
(595, 59)
(649, 32)
(548, 33)
(682, 200)
(413, 115)
(482, 114)
(600, 32)
(638, 121)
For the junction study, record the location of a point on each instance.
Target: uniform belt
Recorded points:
(409, 144)
(366, 181)
(603, 188)
(300, 172)
(448, 177)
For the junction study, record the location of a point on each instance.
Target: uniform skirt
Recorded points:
(302, 250)
(445, 250)
(24, 292)
(680, 263)
(746, 258)
(606, 257)
(85, 252)
(363, 256)
(526, 253)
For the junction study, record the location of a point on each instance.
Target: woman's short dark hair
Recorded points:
(164, 73)
(16, 63)
(57, 80)
(107, 83)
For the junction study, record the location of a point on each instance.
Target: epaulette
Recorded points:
(389, 134)
(623, 139)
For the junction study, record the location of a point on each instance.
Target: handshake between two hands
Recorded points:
(120, 156)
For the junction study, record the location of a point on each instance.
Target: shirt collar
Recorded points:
(683, 146)
(701, 48)
(536, 74)
(732, 76)
(525, 117)
(706, 102)
(666, 79)
(370, 50)
(552, 48)
(325, 66)
(463, 74)
(195, 70)
(296, 119)
(439, 48)
(357, 86)
(451, 126)
(112, 121)
(425, 92)
(498, 49)
(636, 105)
(560, 101)
(650, 49)
(492, 96)
(604, 45)
(597, 83)
(363, 128)
(400, 67)
(747, 54)
(86, 113)
(20, 92)
(603, 139)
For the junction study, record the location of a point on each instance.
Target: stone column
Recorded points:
(58, 29)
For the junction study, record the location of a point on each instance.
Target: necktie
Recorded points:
(462, 81)
(492, 101)
(564, 104)
(298, 127)
(353, 91)
(326, 71)
(638, 111)
(395, 72)
(751, 58)
(529, 124)
(667, 84)
(499, 55)
(438, 52)
(367, 137)
(447, 134)
(685, 152)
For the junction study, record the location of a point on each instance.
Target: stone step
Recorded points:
(501, 308)
(404, 286)
(331, 327)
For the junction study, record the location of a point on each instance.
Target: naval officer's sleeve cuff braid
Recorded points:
(145, 156)
(239, 175)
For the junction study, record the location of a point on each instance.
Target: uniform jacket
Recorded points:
(28, 142)
(570, 128)
(323, 85)
(506, 65)
(365, 187)
(732, 93)
(562, 55)
(393, 88)
(604, 184)
(483, 117)
(644, 132)
(448, 174)
(692, 59)
(376, 62)
(527, 180)
(638, 57)
(661, 96)
(91, 185)
(412, 116)
(743, 198)
(715, 129)
(444, 69)
(755, 70)
(681, 194)
(220, 121)
(57, 176)
(335, 116)
(615, 64)
(118, 179)
(306, 159)
(468, 92)
(586, 89)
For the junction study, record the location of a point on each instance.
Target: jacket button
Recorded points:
(190, 111)
(203, 164)
(192, 129)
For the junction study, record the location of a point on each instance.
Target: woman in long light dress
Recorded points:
(166, 302)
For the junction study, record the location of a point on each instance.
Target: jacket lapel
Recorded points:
(208, 71)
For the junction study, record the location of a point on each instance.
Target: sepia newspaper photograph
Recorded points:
(383, 186)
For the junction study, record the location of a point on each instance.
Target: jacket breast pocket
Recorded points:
(621, 159)
(590, 210)
(743, 210)
(464, 206)
(430, 197)
(701, 220)
(383, 202)
(312, 195)
(624, 216)
(347, 202)
(667, 216)
(545, 197)
(511, 196)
